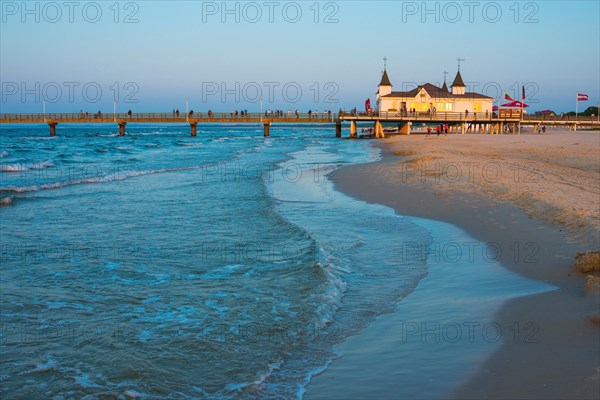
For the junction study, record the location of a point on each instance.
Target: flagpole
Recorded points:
(576, 110)
(522, 100)
(521, 116)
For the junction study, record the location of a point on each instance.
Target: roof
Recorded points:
(385, 81)
(445, 87)
(437, 93)
(458, 81)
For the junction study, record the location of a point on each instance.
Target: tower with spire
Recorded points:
(385, 86)
(458, 86)
(444, 86)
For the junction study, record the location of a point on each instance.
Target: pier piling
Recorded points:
(338, 128)
(404, 128)
(193, 128)
(379, 130)
(52, 126)
(267, 126)
(122, 128)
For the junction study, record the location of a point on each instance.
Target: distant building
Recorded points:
(430, 98)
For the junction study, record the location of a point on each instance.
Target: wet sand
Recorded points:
(537, 198)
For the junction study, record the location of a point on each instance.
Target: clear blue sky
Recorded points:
(173, 50)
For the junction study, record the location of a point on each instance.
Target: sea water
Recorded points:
(165, 266)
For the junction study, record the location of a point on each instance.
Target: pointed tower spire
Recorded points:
(385, 81)
(458, 86)
(444, 86)
(385, 86)
(458, 81)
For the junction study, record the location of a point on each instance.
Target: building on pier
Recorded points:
(431, 98)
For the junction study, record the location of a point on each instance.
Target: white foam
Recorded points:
(7, 200)
(25, 167)
(45, 366)
(114, 177)
(234, 387)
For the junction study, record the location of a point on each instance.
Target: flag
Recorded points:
(368, 105)
(523, 90)
(582, 97)
(507, 97)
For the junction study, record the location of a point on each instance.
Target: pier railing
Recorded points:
(465, 117)
(166, 117)
(285, 117)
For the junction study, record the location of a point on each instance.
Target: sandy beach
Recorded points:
(535, 197)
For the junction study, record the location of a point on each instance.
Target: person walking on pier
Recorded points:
(129, 113)
(177, 113)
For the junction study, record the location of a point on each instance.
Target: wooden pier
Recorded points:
(462, 123)
(193, 120)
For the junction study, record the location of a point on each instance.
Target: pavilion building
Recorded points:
(429, 98)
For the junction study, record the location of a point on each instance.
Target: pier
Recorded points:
(458, 123)
(462, 123)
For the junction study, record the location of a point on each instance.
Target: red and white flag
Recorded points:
(582, 97)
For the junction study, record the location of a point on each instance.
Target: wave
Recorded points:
(25, 167)
(3, 153)
(113, 177)
(271, 367)
(6, 201)
(183, 144)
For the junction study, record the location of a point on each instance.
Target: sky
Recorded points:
(154, 56)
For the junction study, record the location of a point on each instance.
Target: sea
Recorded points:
(160, 265)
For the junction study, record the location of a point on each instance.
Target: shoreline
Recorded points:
(563, 363)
